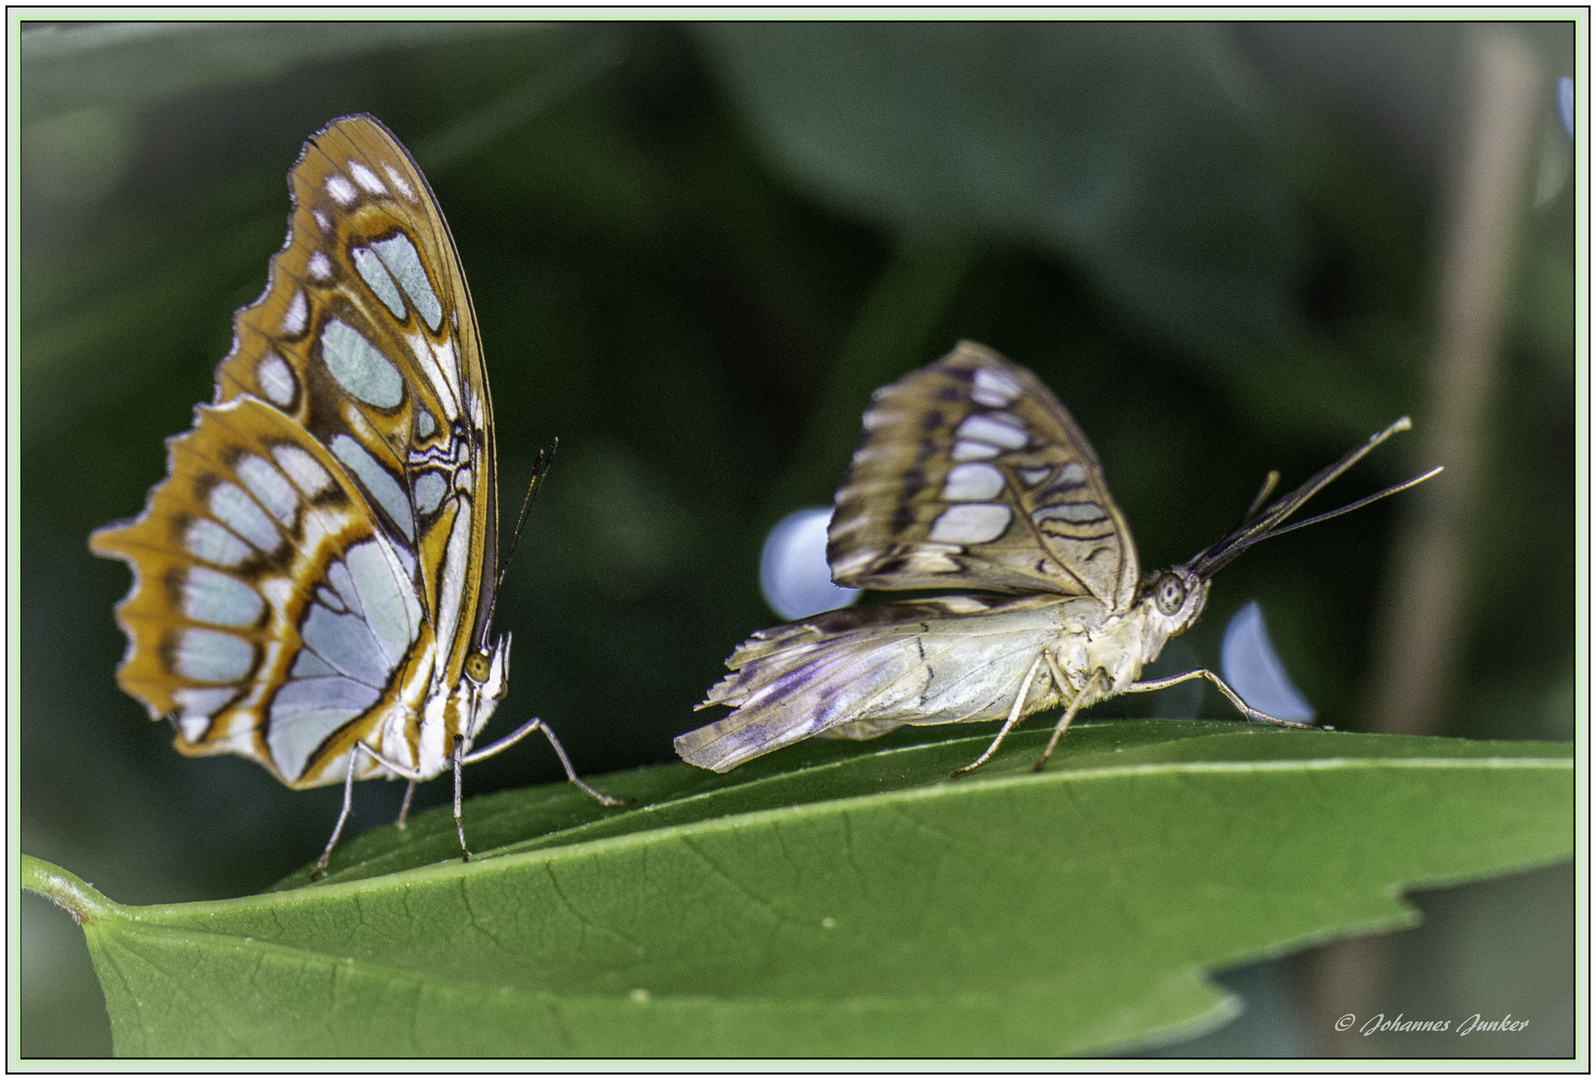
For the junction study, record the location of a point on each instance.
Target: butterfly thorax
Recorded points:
(1103, 659)
(423, 736)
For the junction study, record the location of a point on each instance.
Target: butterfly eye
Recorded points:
(478, 666)
(1171, 594)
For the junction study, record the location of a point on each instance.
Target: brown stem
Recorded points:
(1419, 628)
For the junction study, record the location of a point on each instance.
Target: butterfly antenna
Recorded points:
(540, 469)
(1347, 509)
(1259, 525)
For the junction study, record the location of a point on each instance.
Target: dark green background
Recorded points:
(694, 250)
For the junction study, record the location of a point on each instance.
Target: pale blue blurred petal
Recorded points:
(1249, 663)
(1565, 103)
(792, 569)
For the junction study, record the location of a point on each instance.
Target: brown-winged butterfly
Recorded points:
(314, 580)
(972, 476)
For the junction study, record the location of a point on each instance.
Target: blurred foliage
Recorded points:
(1135, 151)
(693, 252)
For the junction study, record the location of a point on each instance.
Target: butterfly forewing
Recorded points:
(319, 563)
(366, 334)
(971, 475)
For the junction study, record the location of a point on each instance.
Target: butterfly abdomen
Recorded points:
(861, 672)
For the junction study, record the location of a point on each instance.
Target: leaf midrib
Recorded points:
(438, 872)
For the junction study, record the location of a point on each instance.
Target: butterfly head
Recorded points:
(482, 685)
(1173, 598)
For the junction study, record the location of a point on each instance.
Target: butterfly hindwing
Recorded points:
(859, 672)
(267, 613)
(971, 475)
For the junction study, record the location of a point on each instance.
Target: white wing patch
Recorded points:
(276, 379)
(374, 274)
(1080, 513)
(972, 523)
(377, 481)
(401, 259)
(430, 488)
(210, 596)
(211, 656)
(994, 389)
(197, 705)
(359, 366)
(998, 428)
(319, 266)
(970, 450)
(400, 182)
(205, 539)
(355, 637)
(233, 508)
(270, 488)
(972, 482)
(451, 584)
(366, 178)
(295, 317)
(342, 190)
(305, 471)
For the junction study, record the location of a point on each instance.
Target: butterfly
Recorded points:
(971, 475)
(314, 579)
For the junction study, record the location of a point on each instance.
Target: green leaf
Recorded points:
(833, 900)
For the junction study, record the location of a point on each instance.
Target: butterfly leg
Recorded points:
(404, 807)
(1008, 725)
(1235, 699)
(349, 794)
(1064, 721)
(343, 815)
(459, 824)
(528, 728)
